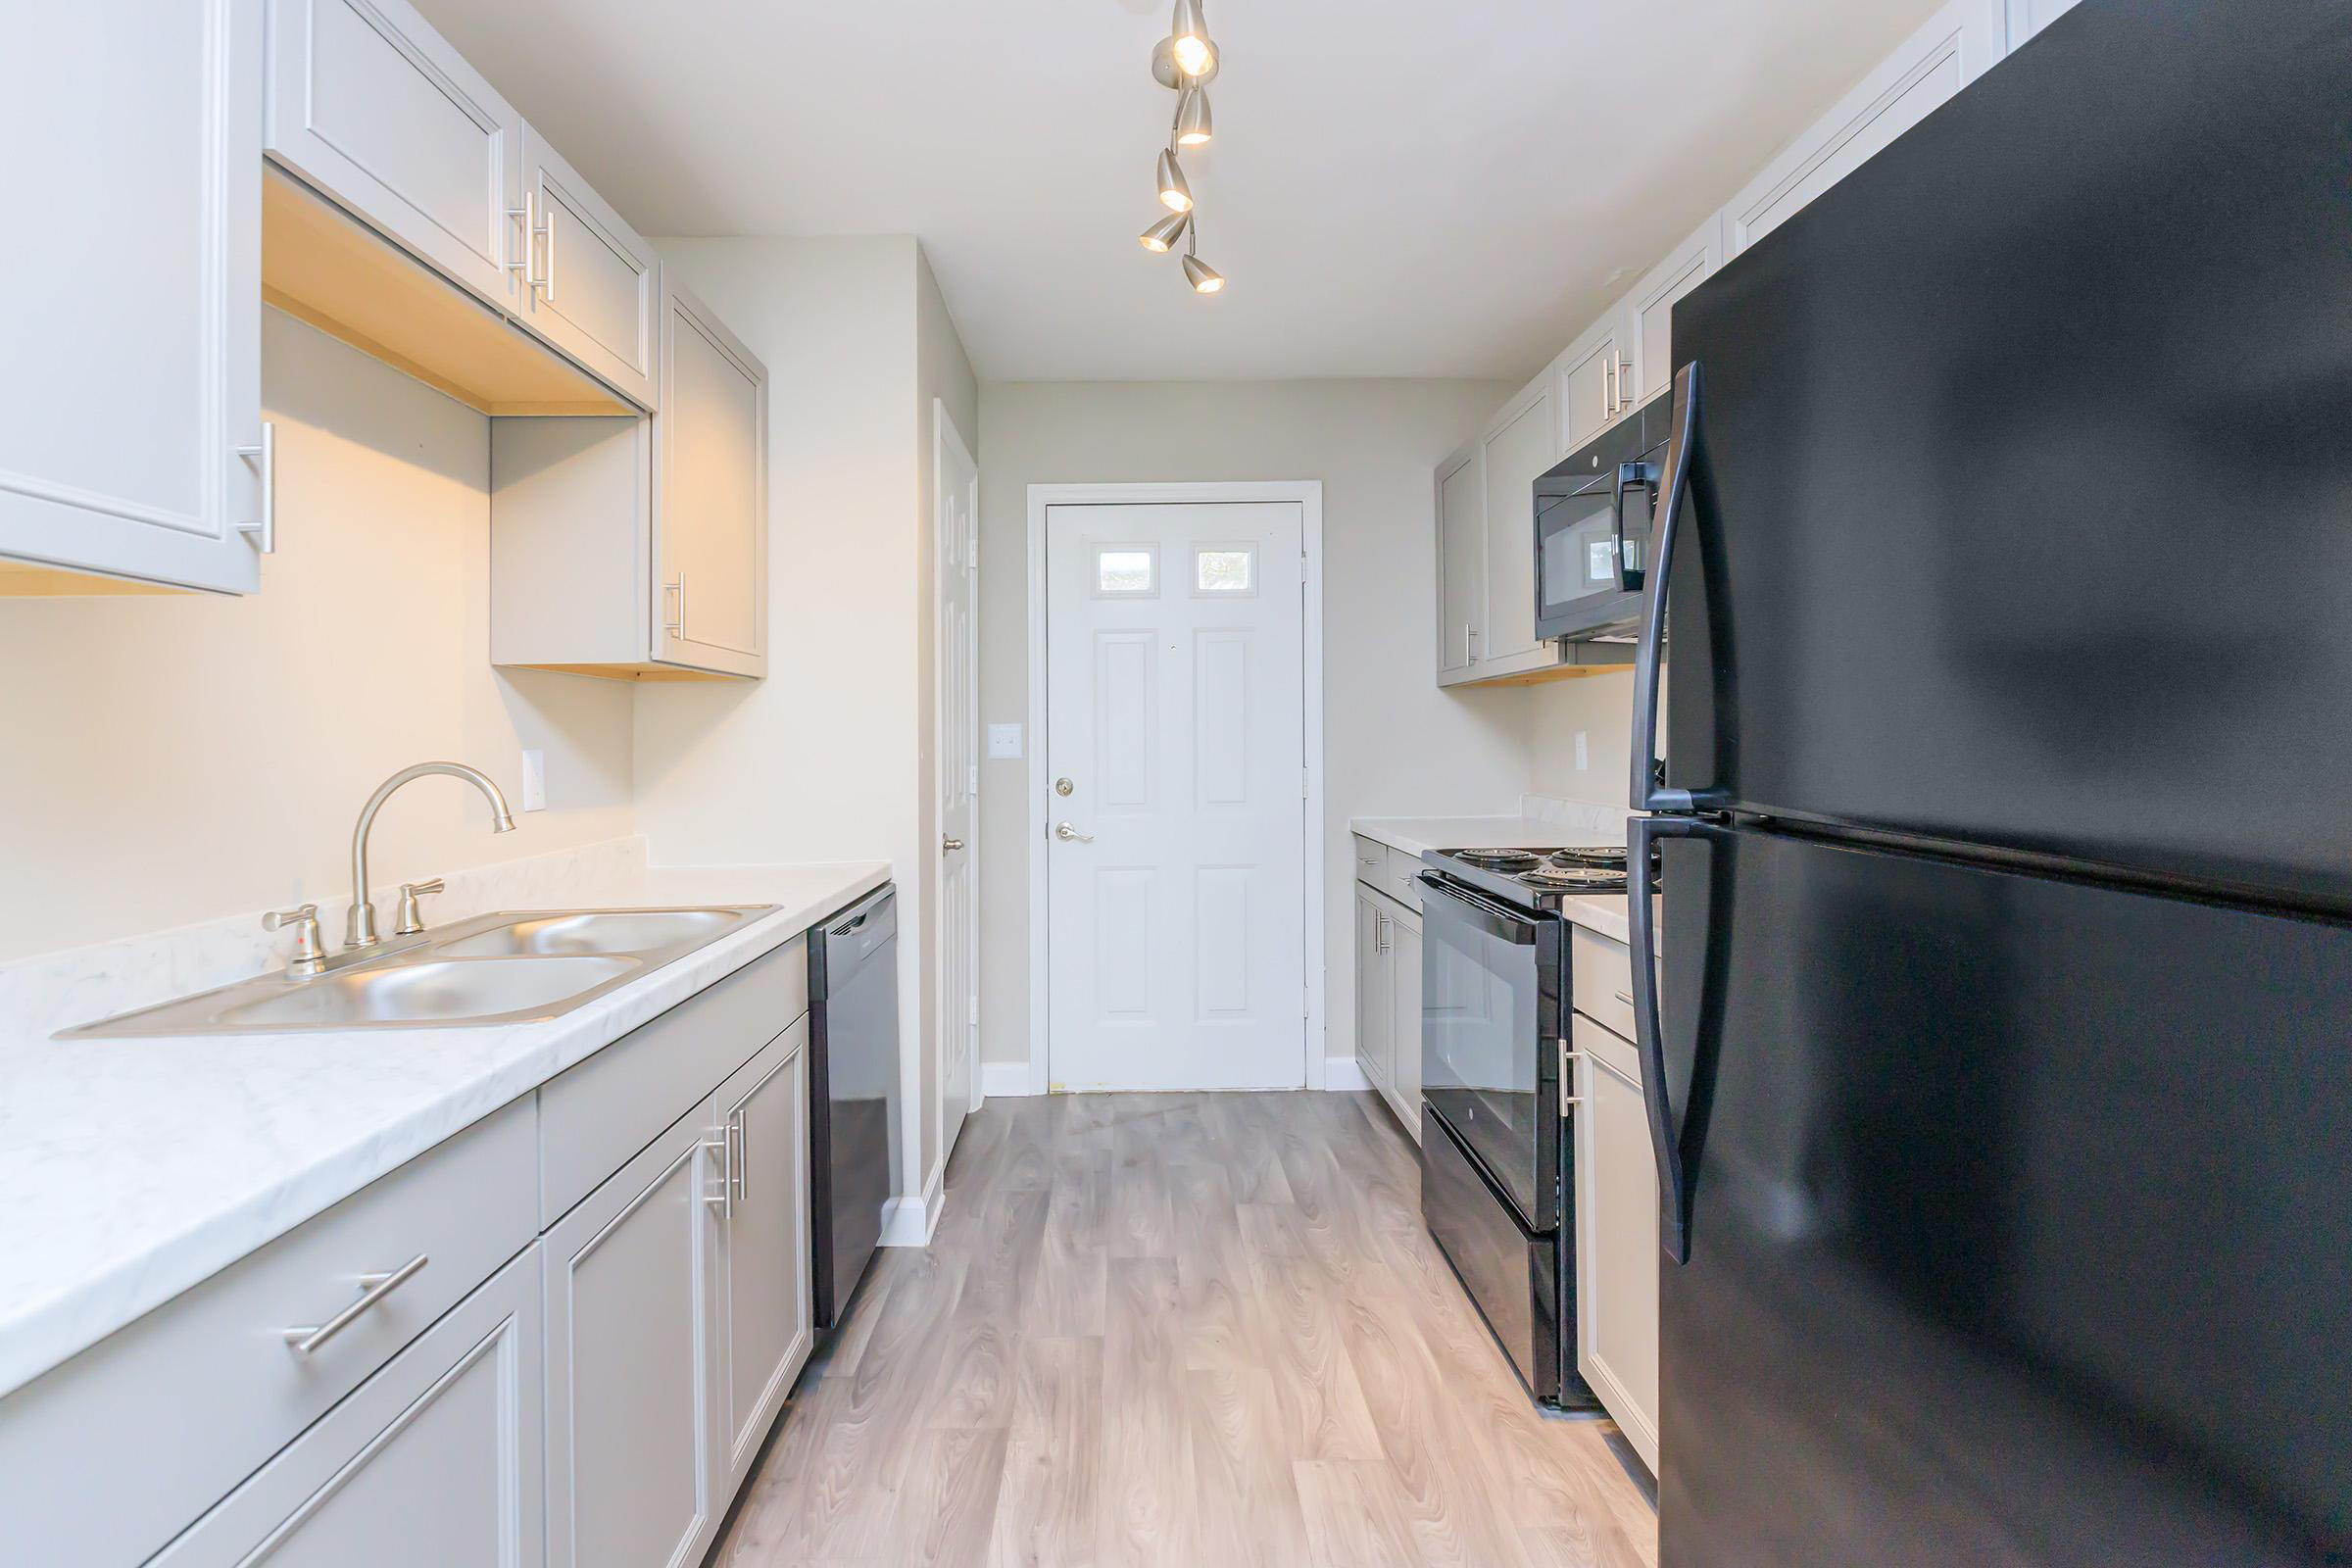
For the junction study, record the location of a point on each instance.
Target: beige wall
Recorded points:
(823, 760)
(182, 758)
(1603, 707)
(1395, 743)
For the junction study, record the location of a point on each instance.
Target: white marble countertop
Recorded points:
(133, 1169)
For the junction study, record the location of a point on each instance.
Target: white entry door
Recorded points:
(1175, 719)
(956, 588)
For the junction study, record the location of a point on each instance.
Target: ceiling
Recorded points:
(1418, 190)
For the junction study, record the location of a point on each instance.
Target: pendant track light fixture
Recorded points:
(1184, 62)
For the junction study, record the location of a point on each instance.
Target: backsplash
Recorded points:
(39, 996)
(1604, 823)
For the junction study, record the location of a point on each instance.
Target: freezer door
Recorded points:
(2020, 1220)
(2023, 508)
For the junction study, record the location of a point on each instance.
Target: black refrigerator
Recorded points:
(1999, 1059)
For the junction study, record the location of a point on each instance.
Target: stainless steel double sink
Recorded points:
(500, 968)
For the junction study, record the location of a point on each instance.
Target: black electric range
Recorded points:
(1496, 1179)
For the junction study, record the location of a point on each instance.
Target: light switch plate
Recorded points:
(534, 780)
(1003, 743)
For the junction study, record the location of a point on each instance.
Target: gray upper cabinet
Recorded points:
(1959, 44)
(370, 105)
(591, 286)
(1518, 449)
(1649, 364)
(709, 495)
(1590, 378)
(1461, 562)
(132, 446)
(631, 1348)
(435, 1460)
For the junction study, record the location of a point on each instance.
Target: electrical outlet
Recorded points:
(1003, 743)
(534, 780)
(1584, 755)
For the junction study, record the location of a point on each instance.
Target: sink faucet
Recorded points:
(360, 930)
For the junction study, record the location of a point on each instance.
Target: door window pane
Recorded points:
(1225, 569)
(1122, 571)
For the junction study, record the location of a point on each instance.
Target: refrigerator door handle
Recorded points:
(1649, 1038)
(1649, 792)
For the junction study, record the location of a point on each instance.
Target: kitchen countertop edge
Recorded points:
(50, 1314)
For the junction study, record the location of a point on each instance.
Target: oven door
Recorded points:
(1489, 1030)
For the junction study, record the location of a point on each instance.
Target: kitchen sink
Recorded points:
(598, 931)
(506, 968)
(431, 991)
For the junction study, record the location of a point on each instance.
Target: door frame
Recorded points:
(944, 437)
(1309, 494)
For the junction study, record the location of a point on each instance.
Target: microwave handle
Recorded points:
(1643, 475)
(1649, 791)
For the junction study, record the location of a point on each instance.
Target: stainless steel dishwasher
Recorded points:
(853, 1091)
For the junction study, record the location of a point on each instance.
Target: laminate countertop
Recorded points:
(133, 1169)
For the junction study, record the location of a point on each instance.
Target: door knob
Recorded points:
(949, 846)
(1062, 787)
(1070, 834)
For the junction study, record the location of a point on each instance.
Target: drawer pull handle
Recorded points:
(374, 1289)
(1623, 996)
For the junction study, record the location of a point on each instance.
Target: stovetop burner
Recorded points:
(1598, 854)
(1553, 874)
(1511, 861)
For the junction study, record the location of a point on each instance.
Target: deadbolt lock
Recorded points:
(1062, 786)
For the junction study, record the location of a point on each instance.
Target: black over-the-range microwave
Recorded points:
(1594, 519)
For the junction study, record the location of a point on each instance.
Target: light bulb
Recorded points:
(1174, 194)
(1205, 278)
(1163, 235)
(1189, 41)
(1193, 128)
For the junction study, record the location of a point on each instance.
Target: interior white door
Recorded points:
(955, 586)
(1175, 719)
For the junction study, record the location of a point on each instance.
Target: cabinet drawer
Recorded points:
(435, 1460)
(595, 1116)
(1600, 979)
(104, 1458)
(1371, 860)
(1391, 870)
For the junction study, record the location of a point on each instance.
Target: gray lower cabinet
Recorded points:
(434, 1459)
(766, 1322)
(1388, 995)
(1372, 1036)
(631, 1348)
(677, 1314)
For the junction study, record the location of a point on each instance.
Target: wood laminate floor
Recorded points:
(1179, 1330)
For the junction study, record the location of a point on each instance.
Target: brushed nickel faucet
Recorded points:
(359, 930)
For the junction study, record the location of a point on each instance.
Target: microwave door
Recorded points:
(1578, 570)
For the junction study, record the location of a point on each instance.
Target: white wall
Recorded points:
(179, 758)
(822, 760)
(1395, 743)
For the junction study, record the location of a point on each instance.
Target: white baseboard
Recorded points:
(1344, 1072)
(1005, 1080)
(911, 1221)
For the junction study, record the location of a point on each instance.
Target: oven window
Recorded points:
(1478, 1048)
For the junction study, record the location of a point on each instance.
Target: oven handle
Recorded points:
(1649, 791)
(1488, 915)
(1649, 1036)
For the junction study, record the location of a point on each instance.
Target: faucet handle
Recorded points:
(310, 951)
(412, 918)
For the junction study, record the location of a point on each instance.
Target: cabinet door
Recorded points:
(1616, 1237)
(1959, 44)
(133, 354)
(1461, 562)
(1650, 360)
(1405, 1021)
(434, 1459)
(764, 1306)
(2029, 17)
(1371, 987)
(709, 495)
(1517, 452)
(631, 1355)
(373, 107)
(592, 287)
(1591, 376)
